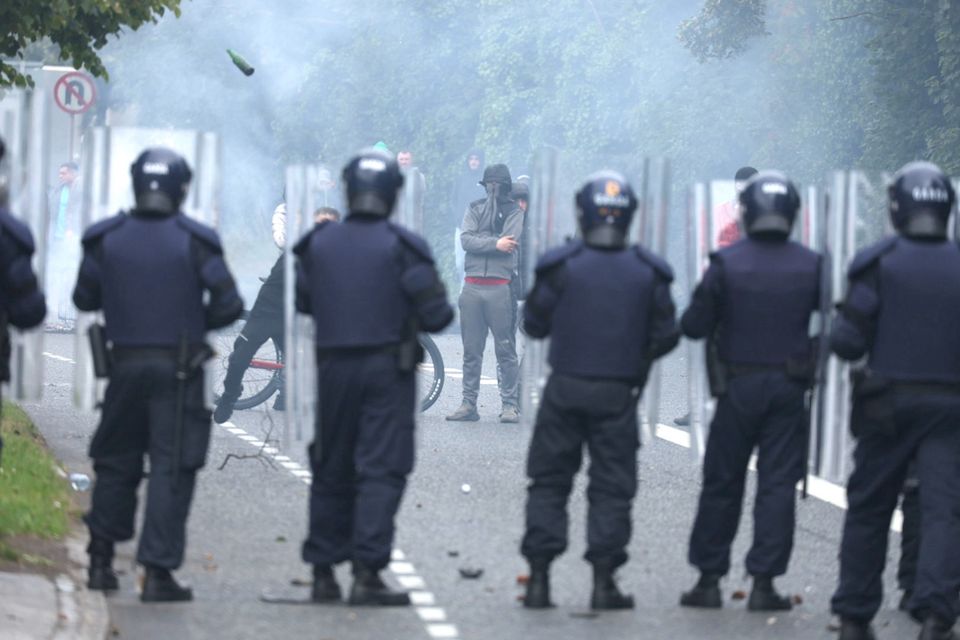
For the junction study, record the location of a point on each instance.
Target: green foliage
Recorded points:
(891, 70)
(723, 28)
(76, 28)
(34, 500)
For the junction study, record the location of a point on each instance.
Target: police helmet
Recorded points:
(372, 179)
(769, 204)
(605, 206)
(160, 180)
(921, 199)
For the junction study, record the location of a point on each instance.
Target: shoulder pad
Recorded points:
(558, 255)
(412, 241)
(301, 245)
(659, 264)
(866, 258)
(17, 230)
(200, 231)
(99, 229)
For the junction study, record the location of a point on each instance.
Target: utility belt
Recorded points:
(187, 357)
(408, 354)
(872, 400)
(719, 373)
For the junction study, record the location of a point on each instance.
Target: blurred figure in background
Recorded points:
(63, 235)
(413, 180)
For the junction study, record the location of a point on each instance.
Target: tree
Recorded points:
(76, 30)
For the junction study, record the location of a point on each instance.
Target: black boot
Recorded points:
(606, 594)
(705, 594)
(224, 408)
(159, 585)
(851, 629)
(538, 586)
(100, 574)
(369, 590)
(764, 597)
(325, 586)
(935, 628)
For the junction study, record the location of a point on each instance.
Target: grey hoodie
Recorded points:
(480, 233)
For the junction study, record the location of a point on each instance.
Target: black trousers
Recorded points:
(763, 411)
(259, 328)
(361, 456)
(139, 417)
(926, 431)
(601, 415)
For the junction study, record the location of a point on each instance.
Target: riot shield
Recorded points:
(651, 232)
(544, 230)
(713, 222)
(107, 156)
(23, 124)
(299, 357)
(855, 215)
(409, 208)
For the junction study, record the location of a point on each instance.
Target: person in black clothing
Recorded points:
(901, 311)
(265, 322)
(150, 272)
(21, 302)
(370, 286)
(754, 306)
(607, 309)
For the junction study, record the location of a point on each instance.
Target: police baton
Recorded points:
(186, 365)
(183, 366)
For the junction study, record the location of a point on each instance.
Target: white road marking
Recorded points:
(422, 598)
(54, 356)
(401, 567)
(432, 614)
(424, 601)
(411, 582)
(442, 630)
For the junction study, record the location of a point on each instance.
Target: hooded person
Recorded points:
(492, 229)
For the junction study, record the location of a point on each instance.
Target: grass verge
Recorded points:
(34, 499)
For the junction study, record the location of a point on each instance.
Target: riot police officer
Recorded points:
(902, 311)
(754, 305)
(21, 302)
(149, 271)
(607, 309)
(370, 286)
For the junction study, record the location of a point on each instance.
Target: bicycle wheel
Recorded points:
(262, 378)
(430, 373)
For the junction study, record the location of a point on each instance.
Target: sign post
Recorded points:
(74, 93)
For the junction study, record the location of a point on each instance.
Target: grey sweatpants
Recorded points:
(490, 308)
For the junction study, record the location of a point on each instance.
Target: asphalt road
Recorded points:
(249, 518)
